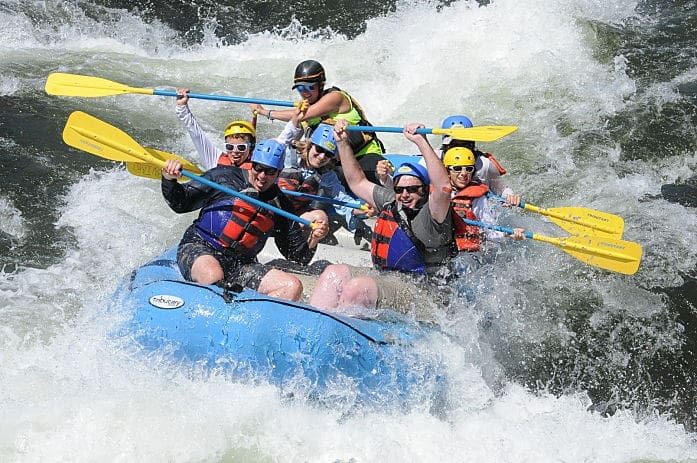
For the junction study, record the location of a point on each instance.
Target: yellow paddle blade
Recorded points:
(141, 169)
(87, 133)
(604, 252)
(482, 133)
(582, 220)
(86, 86)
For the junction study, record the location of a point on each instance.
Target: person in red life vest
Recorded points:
(240, 137)
(469, 201)
(327, 105)
(222, 244)
(413, 233)
(311, 171)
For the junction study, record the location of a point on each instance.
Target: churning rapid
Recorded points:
(552, 360)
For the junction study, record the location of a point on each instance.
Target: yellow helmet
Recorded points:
(239, 128)
(458, 157)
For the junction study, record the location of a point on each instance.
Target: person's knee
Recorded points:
(336, 273)
(281, 284)
(206, 270)
(329, 286)
(360, 291)
(294, 287)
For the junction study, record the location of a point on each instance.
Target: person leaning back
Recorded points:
(222, 244)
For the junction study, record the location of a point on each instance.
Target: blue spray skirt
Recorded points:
(299, 348)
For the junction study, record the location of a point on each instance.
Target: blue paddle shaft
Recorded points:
(246, 198)
(506, 230)
(373, 128)
(338, 202)
(236, 99)
(503, 200)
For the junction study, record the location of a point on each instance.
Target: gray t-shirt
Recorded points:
(436, 237)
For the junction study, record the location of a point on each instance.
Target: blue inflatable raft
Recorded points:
(301, 349)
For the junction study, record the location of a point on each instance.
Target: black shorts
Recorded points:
(247, 274)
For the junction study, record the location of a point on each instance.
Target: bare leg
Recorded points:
(360, 291)
(330, 286)
(277, 283)
(206, 270)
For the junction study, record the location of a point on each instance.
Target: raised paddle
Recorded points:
(483, 133)
(600, 251)
(59, 83)
(94, 136)
(578, 220)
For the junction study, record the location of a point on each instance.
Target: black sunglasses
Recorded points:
(238, 147)
(468, 169)
(410, 189)
(259, 168)
(319, 149)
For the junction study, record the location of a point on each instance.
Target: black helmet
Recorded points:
(308, 71)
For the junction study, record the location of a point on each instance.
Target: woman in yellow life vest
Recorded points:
(327, 105)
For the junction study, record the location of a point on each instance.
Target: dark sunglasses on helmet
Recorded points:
(259, 168)
(468, 169)
(410, 189)
(305, 88)
(237, 146)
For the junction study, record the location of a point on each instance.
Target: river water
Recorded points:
(555, 360)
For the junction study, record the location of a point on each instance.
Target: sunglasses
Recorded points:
(305, 88)
(267, 170)
(410, 189)
(319, 149)
(468, 169)
(237, 147)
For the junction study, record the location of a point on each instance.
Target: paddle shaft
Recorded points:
(235, 99)
(484, 133)
(144, 156)
(338, 202)
(375, 128)
(246, 198)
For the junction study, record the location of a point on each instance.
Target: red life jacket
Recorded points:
(494, 161)
(224, 160)
(468, 238)
(394, 245)
(237, 225)
(293, 179)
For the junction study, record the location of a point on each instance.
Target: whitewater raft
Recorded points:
(301, 349)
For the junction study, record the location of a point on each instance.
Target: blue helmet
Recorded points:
(452, 121)
(270, 153)
(415, 170)
(323, 136)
